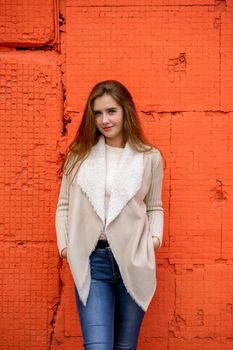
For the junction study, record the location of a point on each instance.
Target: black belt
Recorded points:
(102, 243)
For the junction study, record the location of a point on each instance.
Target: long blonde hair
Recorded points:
(88, 135)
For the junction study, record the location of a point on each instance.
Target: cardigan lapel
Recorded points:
(92, 177)
(127, 181)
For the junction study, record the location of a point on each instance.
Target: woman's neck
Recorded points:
(118, 142)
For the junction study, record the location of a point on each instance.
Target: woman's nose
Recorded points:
(105, 118)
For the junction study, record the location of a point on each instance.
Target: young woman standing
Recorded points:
(109, 218)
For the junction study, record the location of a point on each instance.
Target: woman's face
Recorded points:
(109, 119)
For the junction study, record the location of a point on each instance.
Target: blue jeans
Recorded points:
(111, 319)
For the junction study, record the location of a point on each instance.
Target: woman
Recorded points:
(109, 218)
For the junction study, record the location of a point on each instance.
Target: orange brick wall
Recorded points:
(175, 56)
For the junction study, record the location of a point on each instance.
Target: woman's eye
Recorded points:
(96, 114)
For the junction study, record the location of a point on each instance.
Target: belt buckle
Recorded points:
(102, 243)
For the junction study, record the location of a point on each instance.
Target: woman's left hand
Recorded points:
(156, 243)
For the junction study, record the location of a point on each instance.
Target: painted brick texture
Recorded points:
(175, 57)
(27, 23)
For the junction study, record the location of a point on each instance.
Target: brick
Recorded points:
(166, 58)
(30, 105)
(27, 23)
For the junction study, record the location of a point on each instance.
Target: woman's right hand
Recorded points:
(64, 253)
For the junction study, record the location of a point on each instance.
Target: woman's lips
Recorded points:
(107, 128)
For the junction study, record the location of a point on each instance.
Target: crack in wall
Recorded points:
(167, 265)
(147, 5)
(175, 325)
(176, 65)
(53, 322)
(43, 47)
(219, 197)
(170, 186)
(204, 338)
(56, 307)
(220, 57)
(65, 118)
(200, 317)
(211, 112)
(220, 5)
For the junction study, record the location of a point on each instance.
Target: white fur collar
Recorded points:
(91, 179)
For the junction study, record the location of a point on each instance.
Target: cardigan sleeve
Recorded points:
(61, 217)
(153, 200)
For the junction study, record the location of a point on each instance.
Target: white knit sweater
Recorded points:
(113, 155)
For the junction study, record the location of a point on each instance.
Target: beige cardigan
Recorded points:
(135, 215)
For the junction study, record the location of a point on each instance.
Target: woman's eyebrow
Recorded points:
(107, 109)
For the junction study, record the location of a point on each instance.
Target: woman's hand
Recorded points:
(156, 242)
(64, 253)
